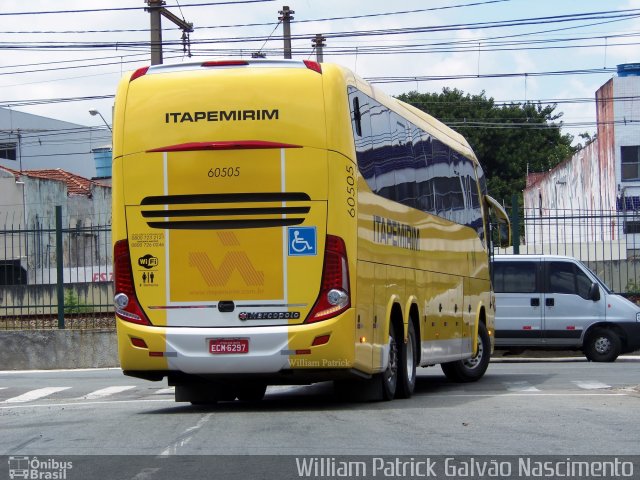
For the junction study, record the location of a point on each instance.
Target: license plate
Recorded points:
(223, 346)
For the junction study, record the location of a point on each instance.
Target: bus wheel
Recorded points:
(196, 394)
(603, 345)
(251, 392)
(205, 393)
(407, 365)
(473, 368)
(389, 378)
(381, 386)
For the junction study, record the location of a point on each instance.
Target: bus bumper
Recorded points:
(329, 345)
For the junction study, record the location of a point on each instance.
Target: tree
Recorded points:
(509, 140)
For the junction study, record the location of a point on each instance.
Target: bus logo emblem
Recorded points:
(302, 241)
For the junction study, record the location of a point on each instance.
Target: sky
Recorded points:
(61, 65)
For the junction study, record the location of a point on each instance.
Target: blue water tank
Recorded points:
(102, 156)
(629, 70)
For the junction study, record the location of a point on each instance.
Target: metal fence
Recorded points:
(607, 241)
(56, 275)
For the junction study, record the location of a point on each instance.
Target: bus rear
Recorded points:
(229, 272)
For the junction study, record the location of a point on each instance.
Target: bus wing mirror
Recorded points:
(504, 224)
(594, 292)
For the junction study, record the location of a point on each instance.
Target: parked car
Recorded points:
(550, 302)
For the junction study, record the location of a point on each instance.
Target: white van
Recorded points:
(555, 302)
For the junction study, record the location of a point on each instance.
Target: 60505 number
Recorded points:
(223, 172)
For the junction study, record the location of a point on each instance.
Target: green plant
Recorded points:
(632, 287)
(72, 303)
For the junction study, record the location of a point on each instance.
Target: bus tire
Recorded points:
(471, 369)
(388, 380)
(251, 392)
(196, 394)
(407, 364)
(603, 345)
(205, 393)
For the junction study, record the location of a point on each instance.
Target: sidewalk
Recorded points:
(503, 356)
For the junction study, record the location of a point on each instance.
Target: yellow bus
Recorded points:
(285, 222)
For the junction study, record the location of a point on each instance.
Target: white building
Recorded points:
(28, 201)
(29, 142)
(592, 197)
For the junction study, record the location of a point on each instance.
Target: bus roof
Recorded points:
(421, 119)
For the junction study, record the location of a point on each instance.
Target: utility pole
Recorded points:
(318, 42)
(285, 17)
(156, 9)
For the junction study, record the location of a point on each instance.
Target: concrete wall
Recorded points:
(578, 183)
(11, 201)
(36, 250)
(606, 140)
(54, 349)
(25, 300)
(563, 205)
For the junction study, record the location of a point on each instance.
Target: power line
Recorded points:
(605, 15)
(57, 62)
(318, 20)
(44, 101)
(437, 47)
(425, 78)
(122, 9)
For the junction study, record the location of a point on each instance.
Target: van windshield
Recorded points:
(598, 279)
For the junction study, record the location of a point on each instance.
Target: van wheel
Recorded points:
(603, 345)
(473, 368)
(407, 365)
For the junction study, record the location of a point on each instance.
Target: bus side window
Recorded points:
(360, 106)
(402, 161)
(381, 141)
(424, 174)
(357, 116)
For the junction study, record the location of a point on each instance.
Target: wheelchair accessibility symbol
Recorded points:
(302, 241)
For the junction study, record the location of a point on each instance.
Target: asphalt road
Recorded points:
(541, 407)
(569, 407)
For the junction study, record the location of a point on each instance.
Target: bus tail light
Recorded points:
(311, 65)
(334, 295)
(126, 303)
(139, 73)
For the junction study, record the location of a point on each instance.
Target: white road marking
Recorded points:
(93, 403)
(590, 384)
(165, 391)
(520, 387)
(185, 437)
(146, 473)
(105, 392)
(35, 394)
(141, 403)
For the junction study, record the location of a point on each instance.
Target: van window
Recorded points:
(514, 277)
(565, 277)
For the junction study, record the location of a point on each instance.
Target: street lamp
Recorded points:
(95, 112)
